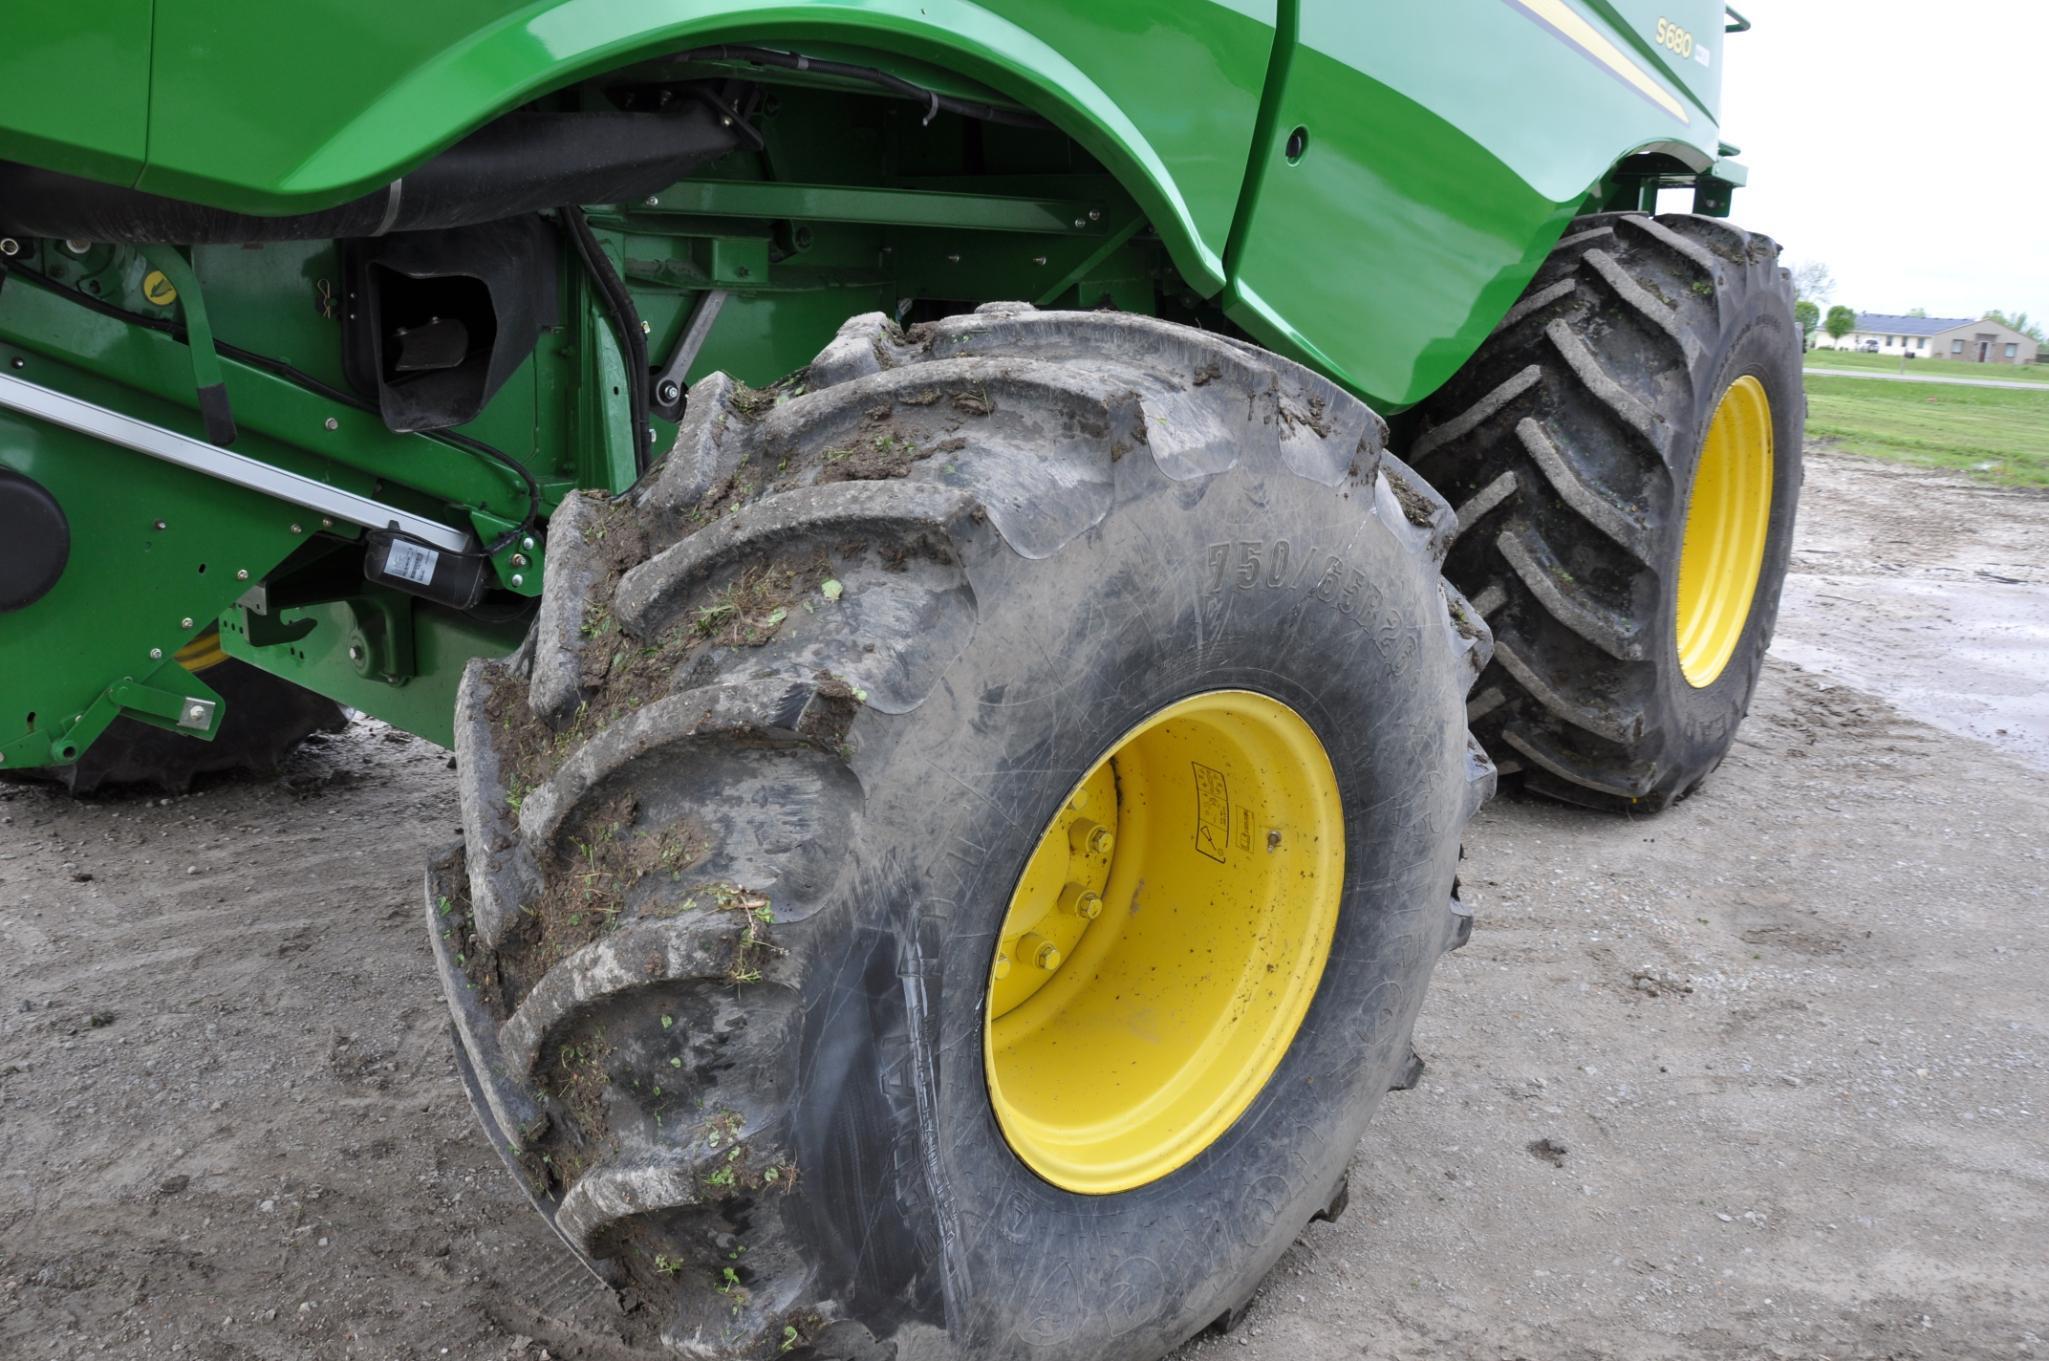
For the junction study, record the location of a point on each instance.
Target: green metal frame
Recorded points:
(1366, 188)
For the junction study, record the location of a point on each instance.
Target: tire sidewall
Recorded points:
(1183, 588)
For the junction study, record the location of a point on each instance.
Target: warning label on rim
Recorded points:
(1212, 812)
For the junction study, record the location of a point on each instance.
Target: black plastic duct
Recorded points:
(522, 163)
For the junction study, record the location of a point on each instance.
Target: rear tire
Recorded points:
(743, 818)
(1571, 445)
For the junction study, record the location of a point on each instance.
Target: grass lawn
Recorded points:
(1934, 368)
(2000, 434)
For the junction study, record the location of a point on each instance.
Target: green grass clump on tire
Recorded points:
(1568, 444)
(743, 817)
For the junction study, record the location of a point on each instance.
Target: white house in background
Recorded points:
(1977, 342)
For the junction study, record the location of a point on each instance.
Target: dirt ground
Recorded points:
(1767, 1076)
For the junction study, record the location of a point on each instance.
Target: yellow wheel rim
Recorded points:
(1164, 942)
(1728, 519)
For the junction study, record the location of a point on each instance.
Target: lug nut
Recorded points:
(1085, 903)
(1090, 838)
(1002, 969)
(1044, 952)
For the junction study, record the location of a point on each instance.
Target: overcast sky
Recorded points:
(1901, 144)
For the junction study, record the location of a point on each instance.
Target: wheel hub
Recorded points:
(1728, 520)
(1164, 942)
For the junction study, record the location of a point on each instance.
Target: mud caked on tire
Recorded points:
(264, 720)
(744, 817)
(1625, 456)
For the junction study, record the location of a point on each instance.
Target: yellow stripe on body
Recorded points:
(1570, 24)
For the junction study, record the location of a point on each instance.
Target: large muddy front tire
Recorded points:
(746, 818)
(1625, 456)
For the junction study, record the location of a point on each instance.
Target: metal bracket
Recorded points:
(667, 396)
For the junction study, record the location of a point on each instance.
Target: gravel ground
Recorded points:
(1765, 1076)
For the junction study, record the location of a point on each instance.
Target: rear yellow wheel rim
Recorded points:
(1728, 520)
(1164, 942)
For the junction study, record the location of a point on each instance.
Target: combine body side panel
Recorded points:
(1442, 149)
(74, 87)
(1163, 91)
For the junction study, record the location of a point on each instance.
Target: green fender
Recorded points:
(286, 108)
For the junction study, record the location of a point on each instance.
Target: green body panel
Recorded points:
(158, 553)
(74, 87)
(1447, 145)
(391, 81)
(346, 653)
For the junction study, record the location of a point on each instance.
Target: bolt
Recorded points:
(527, 543)
(296, 529)
(668, 392)
(196, 714)
(519, 559)
(241, 574)
(1095, 214)
(647, 328)
(518, 579)
(1089, 838)
(77, 247)
(326, 522)
(356, 653)
(331, 423)
(953, 259)
(17, 363)
(156, 654)
(1038, 259)
(1082, 902)
(1002, 969)
(1080, 222)
(186, 622)
(9, 246)
(161, 525)
(654, 201)
(1044, 952)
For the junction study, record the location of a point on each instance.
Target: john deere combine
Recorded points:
(960, 546)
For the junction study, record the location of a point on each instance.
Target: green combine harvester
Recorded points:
(976, 558)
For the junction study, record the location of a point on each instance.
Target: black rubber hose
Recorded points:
(626, 321)
(521, 163)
